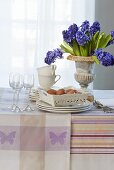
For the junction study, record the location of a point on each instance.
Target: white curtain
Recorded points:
(29, 28)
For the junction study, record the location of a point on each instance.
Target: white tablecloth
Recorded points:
(32, 140)
(81, 141)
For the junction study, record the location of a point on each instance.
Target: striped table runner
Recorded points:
(92, 133)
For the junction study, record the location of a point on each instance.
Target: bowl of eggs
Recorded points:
(63, 97)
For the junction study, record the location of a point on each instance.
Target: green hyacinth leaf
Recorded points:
(90, 49)
(92, 46)
(103, 40)
(87, 48)
(84, 51)
(66, 49)
(93, 42)
(96, 35)
(95, 59)
(106, 40)
(76, 48)
(81, 51)
(100, 38)
(67, 46)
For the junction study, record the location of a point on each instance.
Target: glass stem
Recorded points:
(28, 95)
(14, 92)
(17, 98)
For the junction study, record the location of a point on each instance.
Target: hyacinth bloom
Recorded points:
(112, 40)
(84, 40)
(66, 36)
(72, 31)
(105, 58)
(81, 38)
(85, 26)
(94, 28)
(51, 56)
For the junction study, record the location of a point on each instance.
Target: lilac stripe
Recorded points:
(74, 148)
(93, 138)
(92, 152)
(26, 138)
(96, 113)
(93, 122)
(93, 133)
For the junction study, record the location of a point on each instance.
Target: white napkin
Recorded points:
(107, 102)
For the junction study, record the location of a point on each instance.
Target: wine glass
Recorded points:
(14, 91)
(16, 83)
(28, 84)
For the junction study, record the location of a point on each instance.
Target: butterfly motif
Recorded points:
(57, 138)
(9, 138)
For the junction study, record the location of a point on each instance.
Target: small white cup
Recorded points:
(47, 81)
(47, 70)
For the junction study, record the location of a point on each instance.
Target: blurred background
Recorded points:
(30, 28)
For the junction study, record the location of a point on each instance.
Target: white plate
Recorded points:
(32, 100)
(65, 111)
(33, 96)
(44, 106)
(62, 109)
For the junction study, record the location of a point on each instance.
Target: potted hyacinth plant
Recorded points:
(85, 45)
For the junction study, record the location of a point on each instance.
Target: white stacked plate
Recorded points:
(63, 109)
(34, 94)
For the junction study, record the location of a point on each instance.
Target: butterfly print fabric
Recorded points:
(7, 138)
(55, 138)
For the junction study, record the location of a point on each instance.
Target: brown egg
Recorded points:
(68, 90)
(78, 92)
(90, 98)
(71, 91)
(51, 91)
(60, 92)
(75, 91)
